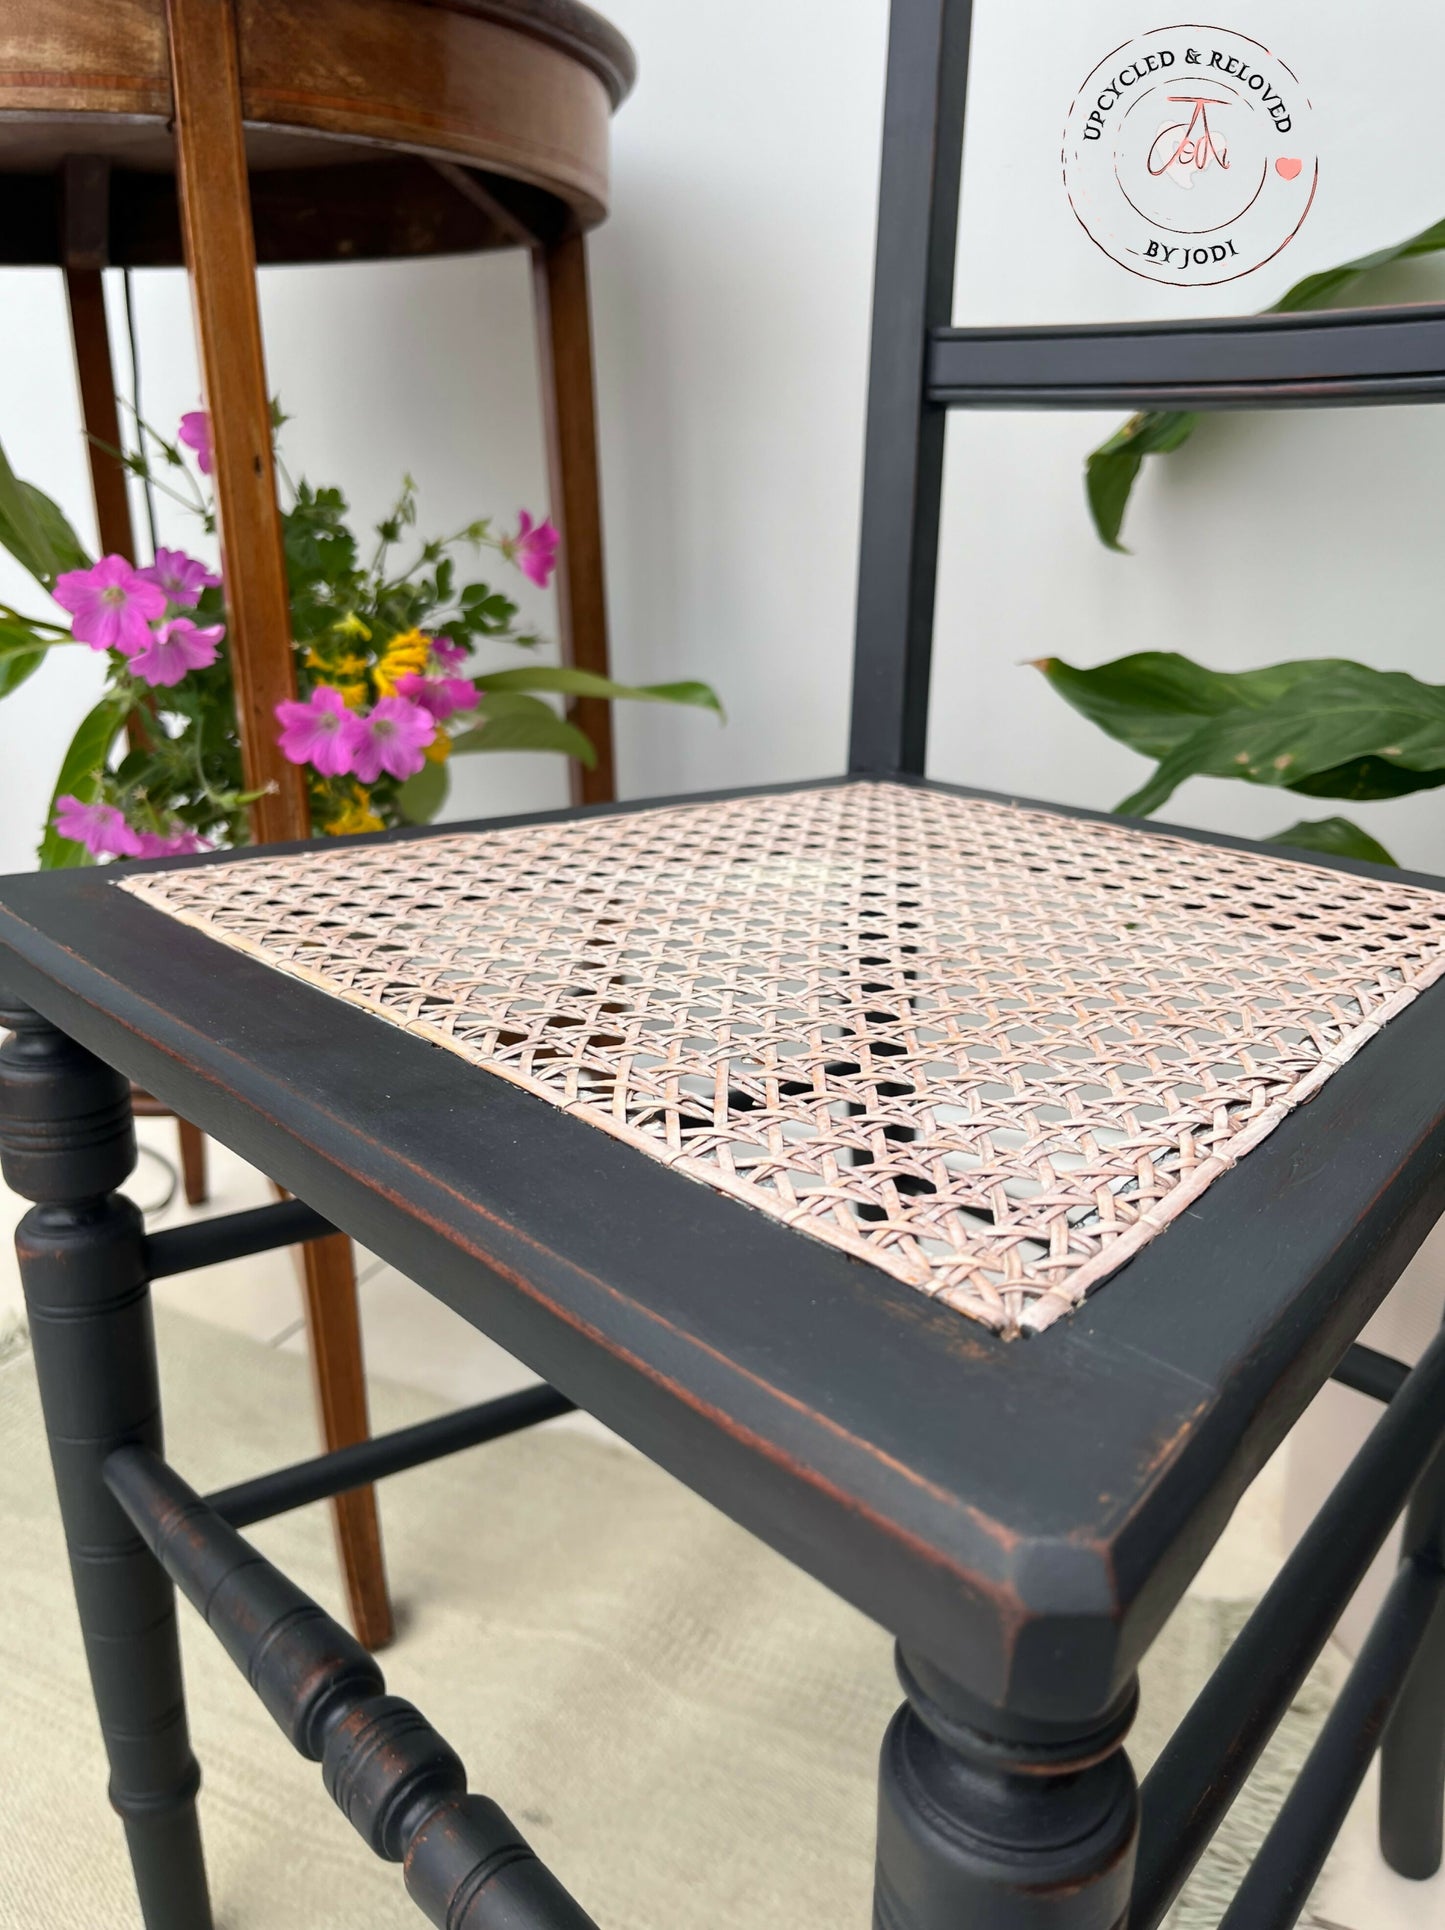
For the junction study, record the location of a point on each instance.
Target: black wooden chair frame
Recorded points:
(1006, 1796)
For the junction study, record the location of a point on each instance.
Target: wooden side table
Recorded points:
(223, 133)
(131, 131)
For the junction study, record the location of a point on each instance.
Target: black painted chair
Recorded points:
(832, 1143)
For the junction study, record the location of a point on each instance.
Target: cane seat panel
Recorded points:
(990, 1049)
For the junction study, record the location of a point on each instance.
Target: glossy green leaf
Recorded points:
(1152, 701)
(1325, 289)
(21, 654)
(586, 683)
(1155, 700)
(34, 529)
(1110, 472)
(421, 797)
(16, 666)
(1340, 711)
(1337, 836)
(80, 776)
(1361, 779)
(64, 548)
(525, 730)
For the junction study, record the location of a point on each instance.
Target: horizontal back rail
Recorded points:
(1234, 362)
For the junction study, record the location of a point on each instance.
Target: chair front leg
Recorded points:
(66, 1141)
(1034, 1831)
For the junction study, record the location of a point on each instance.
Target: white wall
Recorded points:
(731, 292)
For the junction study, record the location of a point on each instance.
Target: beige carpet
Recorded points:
(685, 1727)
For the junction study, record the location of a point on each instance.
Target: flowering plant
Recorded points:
(387, 687)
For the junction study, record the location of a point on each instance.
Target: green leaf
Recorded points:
(81, 772)
(21, 654)
(521, 730)
(34, 530)
(1339, 712)
(1152, 701)
(16, 666)
(1363, 778)
(1324, 289)
(1110, 472)
(586, 683)
(1337, 836)
(1155, 700)
(421, 797)
(65, 548)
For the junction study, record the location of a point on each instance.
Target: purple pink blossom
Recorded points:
(533, 549)
(392, 738)
(175, 649)
(178, 842)
(441, 697)
(448, 654)
(101, 828)
(195, 433)
(111, 605)
(182, 577)
(321, 731)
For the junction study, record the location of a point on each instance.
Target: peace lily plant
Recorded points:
(387, 687)
(1320, 727)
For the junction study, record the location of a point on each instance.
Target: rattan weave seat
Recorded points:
(991, 1050)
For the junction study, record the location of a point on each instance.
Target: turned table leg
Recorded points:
(569, 398)
(66, 1140)
(979, 1831)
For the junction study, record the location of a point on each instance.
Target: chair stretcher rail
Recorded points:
(398, 1782)
(233, 1236)
(1291, 1857)
(1370, 1372)
(1192, 1785)
(366, 1461)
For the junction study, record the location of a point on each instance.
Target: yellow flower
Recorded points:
(405, 655)
(439, 749)
(354, 815)
(352, 626)
(346, 673)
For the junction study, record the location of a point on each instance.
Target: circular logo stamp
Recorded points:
(1188, 156)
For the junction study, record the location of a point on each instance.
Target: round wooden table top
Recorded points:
(374, 128)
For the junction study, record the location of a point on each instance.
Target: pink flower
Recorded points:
(533, 549)
(175, 648)
(393, 739)
(101, 828)
(111, 605)
(195, 433)
(442, 697)
(448, 654)
(178, 842)
(181, 577)
(322, 731)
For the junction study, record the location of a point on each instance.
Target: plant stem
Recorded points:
(62, 634)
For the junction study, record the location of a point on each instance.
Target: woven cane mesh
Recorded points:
(991, 1050)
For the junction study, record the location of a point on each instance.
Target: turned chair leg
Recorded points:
(1412, 1755)
(66, 1141)
(978, 1831)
